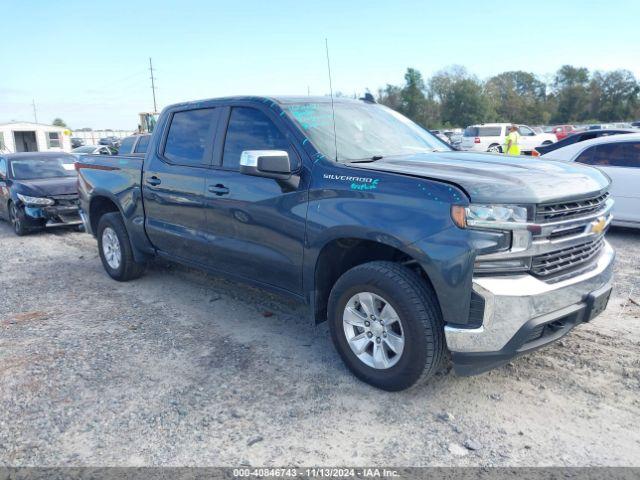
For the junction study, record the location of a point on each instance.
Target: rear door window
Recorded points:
(190, 137)
(622, 154)
(616, 154)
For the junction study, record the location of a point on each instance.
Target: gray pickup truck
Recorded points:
(409, 249)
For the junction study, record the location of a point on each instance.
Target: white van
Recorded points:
(489, 137)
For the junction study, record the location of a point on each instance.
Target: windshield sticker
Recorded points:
(357, 183)
(308, 115)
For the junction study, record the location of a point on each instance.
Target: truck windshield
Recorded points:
(35, 168)
(363, 131)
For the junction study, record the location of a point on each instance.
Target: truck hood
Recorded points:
(490, 178)
(46, 187)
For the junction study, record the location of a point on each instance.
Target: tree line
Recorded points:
(456, 98)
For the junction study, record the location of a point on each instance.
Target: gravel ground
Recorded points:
(181, 368)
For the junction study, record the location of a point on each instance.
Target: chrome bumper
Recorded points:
(85, 222)
(513, 301)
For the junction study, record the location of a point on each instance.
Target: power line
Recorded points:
(153, 86)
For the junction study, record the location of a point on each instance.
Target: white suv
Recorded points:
(489, 137)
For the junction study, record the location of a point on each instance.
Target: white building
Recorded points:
(33, 137)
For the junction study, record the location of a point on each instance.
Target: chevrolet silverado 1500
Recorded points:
(410, 250)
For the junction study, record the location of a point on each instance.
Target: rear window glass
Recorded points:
(615, 154)
(126, 145)
(141, 147)
(482, 131)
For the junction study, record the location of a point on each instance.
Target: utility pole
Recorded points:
(153, 86)
(35, 112)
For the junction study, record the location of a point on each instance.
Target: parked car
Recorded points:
(619, 157)
(76, 142)
(490, 137)
(95, 150)
(405, 246)
(601, 126)
(578, 137)
(456, 140)
(635, 124)
(110, 141)
(562, 131)
(38, 190)
(135, 145)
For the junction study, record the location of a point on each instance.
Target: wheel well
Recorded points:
(98, 207)
(341, 255)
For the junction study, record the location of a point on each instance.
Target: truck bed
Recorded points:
(116, 178)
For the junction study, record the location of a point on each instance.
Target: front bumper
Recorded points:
(54, 216)
(524, 313)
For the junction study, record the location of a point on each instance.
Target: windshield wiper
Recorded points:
(367, 160)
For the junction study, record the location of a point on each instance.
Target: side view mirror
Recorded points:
(266, 163)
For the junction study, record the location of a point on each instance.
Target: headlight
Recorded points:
(27, 200)
(504, 265)
(488, 216)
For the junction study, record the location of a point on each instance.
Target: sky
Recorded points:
(87, 62)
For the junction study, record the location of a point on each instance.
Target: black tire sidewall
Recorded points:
(414, 356)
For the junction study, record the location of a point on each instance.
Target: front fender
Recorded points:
(410, 214)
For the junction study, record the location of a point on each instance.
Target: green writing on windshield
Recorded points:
(310, 115)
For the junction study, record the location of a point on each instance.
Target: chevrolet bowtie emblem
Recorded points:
(598, 226)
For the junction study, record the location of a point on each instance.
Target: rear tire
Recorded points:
(419, 325)
(115, 249)
(495, 148)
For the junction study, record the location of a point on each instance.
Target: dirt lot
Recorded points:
(180, 368)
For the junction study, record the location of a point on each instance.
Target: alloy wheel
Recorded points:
(111, 248)
(373, 330)
(15, 218)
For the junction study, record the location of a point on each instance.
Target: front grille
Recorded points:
(70, 200)
(566, 259)
(568, 210)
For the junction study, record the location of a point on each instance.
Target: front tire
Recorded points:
(115, 249)
(18, 220)
(386, 325)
